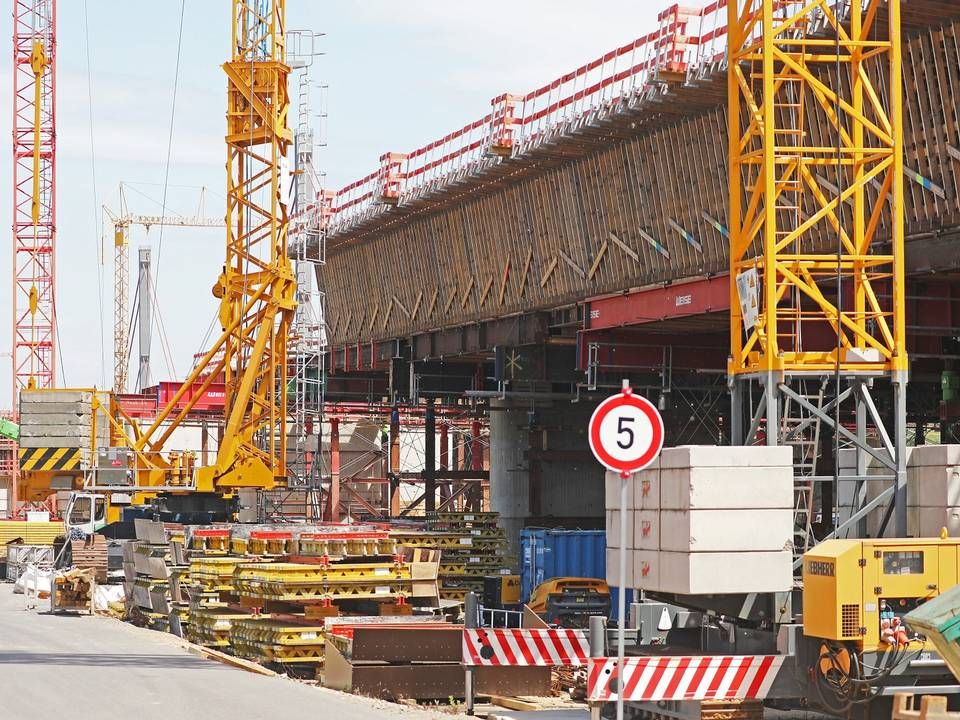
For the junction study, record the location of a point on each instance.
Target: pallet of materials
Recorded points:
(285, 642)
(73, 590)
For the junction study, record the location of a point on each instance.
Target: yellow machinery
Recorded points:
(256, 290)
(570, 601)
(848, 584)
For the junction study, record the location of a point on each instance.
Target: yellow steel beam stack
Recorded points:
(278, 642)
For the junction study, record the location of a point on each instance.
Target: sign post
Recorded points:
(626, 435)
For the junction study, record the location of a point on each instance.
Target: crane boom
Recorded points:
(121, 274)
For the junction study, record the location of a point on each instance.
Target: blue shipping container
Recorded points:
(547, 554)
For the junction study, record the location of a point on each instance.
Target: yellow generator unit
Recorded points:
(857, 591)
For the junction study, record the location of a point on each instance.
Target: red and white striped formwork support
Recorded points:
(525, 648)
(709, 677)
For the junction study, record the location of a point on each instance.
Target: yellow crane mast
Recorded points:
(816, 227)
(257, 293)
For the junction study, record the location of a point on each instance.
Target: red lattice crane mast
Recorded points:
(34, 194)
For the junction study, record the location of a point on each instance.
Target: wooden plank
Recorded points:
(551, 266)
(597, 259)
(416, 305)
(453, 296)
(433, 302)
(526, 271)
(236, 662)
(573, 266)
(466, 295)
(383, 325)
(486, 291)
(522, 705)
(400, 305)
(503, 281)
(623, 246)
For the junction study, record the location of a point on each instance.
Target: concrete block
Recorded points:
(58, 430)
(687, 456)
(53, 441)
(646, 489)
(646, 530)
(933, 486)
(726, 530)
(704, 573)
(935, 455)
(646, 569)
(29, 397)
(726, 487)
(643, 489)
(611, 491)
(613, 528)
(929, 521)
(613, 568)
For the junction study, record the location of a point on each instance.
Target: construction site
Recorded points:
(635, 396)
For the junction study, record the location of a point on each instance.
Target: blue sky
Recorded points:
(398, 75)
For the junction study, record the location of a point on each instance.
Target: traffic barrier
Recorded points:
(524, 648)
(717, 677)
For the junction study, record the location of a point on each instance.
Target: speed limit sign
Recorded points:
(626, 435)
(626, 432)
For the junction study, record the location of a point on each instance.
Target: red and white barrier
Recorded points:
(534, 647)
(717, 677)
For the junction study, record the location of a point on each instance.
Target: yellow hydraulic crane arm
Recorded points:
(257, 288)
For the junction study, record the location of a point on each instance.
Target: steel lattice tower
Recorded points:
(34, 194)
(833, 313)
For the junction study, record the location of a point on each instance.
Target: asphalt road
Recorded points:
(65, 666)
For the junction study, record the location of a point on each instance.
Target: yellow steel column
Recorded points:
(735, 178)
(769, 360)
(859, 196)
(896, 194)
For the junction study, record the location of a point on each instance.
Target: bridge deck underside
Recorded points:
(638, 199)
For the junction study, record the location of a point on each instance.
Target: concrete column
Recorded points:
(509, 475)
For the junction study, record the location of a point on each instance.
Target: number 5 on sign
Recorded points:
(626, 432)
(626, 435)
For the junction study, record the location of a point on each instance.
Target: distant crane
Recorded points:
(122, 222)
(34, 194)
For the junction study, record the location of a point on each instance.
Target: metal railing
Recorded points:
(688, 45)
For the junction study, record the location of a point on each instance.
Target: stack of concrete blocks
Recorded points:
(707, 520)
(933, 490)
(63, 419)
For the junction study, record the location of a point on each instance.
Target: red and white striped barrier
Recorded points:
(717, 677)
(534, 647)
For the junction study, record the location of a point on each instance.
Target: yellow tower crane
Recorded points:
(122, 222)
(257, 293)
(817, 230)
